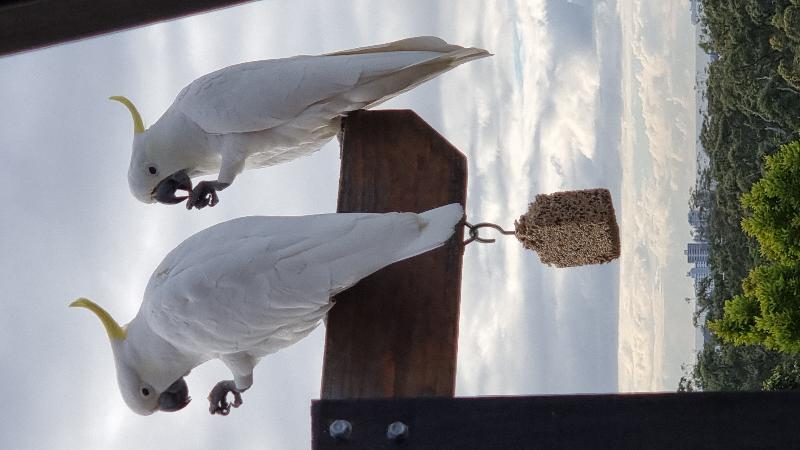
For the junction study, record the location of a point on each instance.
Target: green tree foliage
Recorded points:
(753, 94)
(774, 203)
(704, 302)
(768, 312)
(754, 39)
(787, 41)
(722, 367)
(738, 324)
(784, 377)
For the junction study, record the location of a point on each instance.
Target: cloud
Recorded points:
(658, 141)
(567, 129)
(551, 330)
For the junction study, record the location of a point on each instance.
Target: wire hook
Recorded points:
(473, 232)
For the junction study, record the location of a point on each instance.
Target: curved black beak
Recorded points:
(175, 398)
(164, 192)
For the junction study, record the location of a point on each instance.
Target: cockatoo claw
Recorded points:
(205, 194)
(218, 398)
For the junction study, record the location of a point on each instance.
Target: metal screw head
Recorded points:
(397, 431)
(340, 429)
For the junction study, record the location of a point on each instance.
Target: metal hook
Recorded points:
(473, 232)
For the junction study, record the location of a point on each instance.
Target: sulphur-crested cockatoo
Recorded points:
(263, 113)
(249, 287)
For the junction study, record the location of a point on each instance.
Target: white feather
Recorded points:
(258, 284)
(268, 112)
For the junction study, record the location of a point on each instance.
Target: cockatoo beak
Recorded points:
(175, 398)
(164, 192)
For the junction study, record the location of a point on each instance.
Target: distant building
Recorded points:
(694, 8)
(698, 273)
(696, 252)
(695, 219)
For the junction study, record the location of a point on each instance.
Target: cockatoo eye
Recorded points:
(145, 391)
(152, 169)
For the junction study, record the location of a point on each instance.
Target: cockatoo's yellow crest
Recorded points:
(115, 332)
(138, 125)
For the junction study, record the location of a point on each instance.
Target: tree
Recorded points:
(774, 203)
(738, 324)
(785, 377)
(687, 382)
(753, 94)
(768, 312)
(724, 367)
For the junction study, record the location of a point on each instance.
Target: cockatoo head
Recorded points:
(151, 177)
(143, 388)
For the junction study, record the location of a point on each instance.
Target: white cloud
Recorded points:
(568, 131)
(658, 144)
(547, 328)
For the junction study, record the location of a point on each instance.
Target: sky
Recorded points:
(579, 94)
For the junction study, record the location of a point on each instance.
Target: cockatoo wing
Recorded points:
(260, 95)
(265, 282)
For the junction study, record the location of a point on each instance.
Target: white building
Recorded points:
(697, 254)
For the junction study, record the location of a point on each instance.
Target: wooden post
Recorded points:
(395, 333)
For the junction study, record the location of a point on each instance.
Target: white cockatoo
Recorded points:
(249, 287)
(262, 113)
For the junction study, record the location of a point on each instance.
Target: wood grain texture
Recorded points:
(395, 333)
(705, 420)
(33, 24)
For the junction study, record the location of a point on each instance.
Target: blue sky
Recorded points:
(579, 94)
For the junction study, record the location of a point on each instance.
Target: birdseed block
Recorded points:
(571, 228)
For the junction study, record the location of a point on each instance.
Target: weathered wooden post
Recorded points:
(390, 354)
(395, 333)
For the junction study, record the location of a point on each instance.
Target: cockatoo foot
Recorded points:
(218, 398)
(205, 194)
